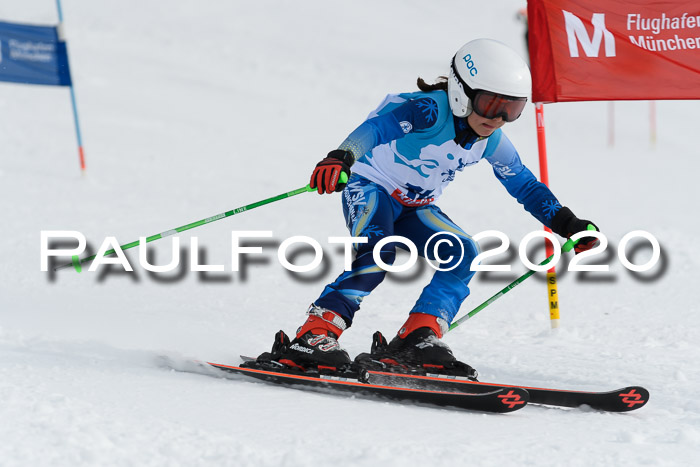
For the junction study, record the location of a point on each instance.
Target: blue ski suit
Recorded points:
(407, 151)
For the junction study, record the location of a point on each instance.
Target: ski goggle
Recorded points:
(489, 105)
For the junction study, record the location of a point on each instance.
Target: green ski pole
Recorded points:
(76, 263)
(568, 245)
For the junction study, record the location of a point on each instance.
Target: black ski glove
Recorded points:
(327, 172)
(565, 223)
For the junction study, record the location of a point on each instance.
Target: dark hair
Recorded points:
(439, 84)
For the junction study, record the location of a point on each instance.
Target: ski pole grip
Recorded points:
(569, 244)
(342, 179)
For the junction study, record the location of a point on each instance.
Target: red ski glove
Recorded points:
(327, 172)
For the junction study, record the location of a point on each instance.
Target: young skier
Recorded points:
(402, 158)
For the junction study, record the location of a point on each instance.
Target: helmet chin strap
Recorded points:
(465, 135)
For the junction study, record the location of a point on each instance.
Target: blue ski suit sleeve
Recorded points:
(522, 185)
(394, 124)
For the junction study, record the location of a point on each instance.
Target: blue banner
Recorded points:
(33, 55)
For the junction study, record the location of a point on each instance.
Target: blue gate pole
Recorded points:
(61, 37)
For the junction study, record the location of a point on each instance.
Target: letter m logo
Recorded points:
(576, 33)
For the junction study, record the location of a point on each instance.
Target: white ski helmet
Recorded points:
(488, 65)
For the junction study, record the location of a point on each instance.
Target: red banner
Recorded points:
(582, 50)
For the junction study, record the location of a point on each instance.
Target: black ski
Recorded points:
(501, 400)
(619, 400)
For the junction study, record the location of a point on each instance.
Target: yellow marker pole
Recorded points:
(553, 299)
(544, 178)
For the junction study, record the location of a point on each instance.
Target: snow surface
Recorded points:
(190, 109)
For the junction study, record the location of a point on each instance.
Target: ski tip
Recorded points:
(631, 398)
(621, 400)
